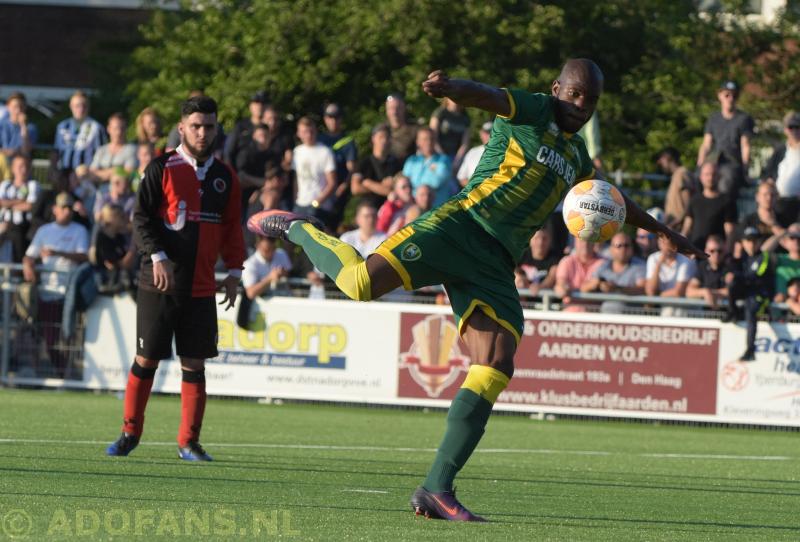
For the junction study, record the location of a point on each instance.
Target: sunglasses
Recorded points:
(794, 127)
(713, 250)
(622, 245)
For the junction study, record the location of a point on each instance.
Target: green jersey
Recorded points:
(526, 169)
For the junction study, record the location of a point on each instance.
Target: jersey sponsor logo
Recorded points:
(219, 185)
(410, 253)
(176, 220)
(554, 161)
(434, 359)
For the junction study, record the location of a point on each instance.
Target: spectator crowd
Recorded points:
(316, 168)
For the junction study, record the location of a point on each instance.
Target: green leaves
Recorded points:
(662, 60)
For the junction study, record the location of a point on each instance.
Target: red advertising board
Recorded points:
(580, 364)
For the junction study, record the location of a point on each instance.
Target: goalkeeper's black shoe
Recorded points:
(275, 223)
(123, 445)
(442, 505)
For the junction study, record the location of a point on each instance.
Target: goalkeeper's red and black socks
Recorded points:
(193, 406)
(466, 420)
(137, 392)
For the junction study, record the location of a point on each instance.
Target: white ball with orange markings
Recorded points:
(594, 210)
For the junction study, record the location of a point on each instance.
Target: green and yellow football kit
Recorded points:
(470, 244)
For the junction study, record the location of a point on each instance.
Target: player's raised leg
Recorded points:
(491, 347)
(359, 279)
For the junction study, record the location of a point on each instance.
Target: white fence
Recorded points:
(410, 354)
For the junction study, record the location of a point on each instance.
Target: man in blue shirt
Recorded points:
(429, 167)
(17, 135)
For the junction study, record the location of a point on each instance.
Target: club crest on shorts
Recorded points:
(410, 253)
(219, 185)
(434, 360)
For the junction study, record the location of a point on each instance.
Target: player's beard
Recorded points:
(200, 153)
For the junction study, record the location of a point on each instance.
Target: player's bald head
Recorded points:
(583, 70)
(577, 91)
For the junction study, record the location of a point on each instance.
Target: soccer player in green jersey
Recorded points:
(471, 243)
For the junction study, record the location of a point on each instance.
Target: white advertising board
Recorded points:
(393, 353)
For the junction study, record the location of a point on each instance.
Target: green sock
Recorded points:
(466, 420)
(327, 253)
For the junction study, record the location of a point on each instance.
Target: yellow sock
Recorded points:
(485, 381)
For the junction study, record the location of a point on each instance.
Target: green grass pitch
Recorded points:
(328, 473)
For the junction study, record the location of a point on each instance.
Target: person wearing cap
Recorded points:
(726, 140)
(403, 134)
(682, 186)
(373, 178)
(117, 153)
(783, 168)
(473, 155)
(242, 132)
(60, 245)
(345, 155)
(450, 126)
(752, 281)
(710, 211)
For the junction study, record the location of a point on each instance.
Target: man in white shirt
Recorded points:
(315, 170)
(668, 274)
(473, 155)
(366, 238)
(61, 245)
(265, 267)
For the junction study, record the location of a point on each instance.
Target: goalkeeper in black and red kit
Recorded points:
(187, 214)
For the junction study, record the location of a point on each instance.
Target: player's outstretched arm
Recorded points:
(636, 216)
(467, 93)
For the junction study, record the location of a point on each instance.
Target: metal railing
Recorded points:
(12, 327)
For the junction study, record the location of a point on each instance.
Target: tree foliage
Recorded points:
(662, 60)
